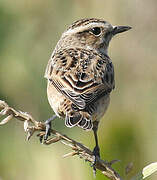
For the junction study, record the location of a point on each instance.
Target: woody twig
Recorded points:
(31, 126)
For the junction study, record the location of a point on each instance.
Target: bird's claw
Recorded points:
(47, 133)
(96, 153)
(48, 129)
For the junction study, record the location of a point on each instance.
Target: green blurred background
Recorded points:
(29, 31)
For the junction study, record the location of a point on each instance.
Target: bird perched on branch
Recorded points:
(80, 74)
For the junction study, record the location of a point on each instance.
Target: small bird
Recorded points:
(80, 75)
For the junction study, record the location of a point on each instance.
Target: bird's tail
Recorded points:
(79, 118)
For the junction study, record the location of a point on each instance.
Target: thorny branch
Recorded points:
(31, 126)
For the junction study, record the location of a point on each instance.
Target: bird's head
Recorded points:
(91, 34)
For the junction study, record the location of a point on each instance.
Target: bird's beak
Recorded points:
(120, 29)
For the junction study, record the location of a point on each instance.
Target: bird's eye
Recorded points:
(96, 31)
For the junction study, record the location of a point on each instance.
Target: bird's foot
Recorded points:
(48, 127)
(96, 153)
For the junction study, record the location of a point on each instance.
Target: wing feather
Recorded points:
(81, 76)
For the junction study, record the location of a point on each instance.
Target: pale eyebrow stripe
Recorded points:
(82, 28)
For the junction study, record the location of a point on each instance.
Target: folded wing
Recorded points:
(81, 75)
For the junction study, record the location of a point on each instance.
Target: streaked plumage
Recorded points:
(84, 80)
(80, 74)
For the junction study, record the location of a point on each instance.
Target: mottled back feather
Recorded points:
(83, 77)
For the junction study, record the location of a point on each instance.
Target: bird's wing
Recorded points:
(81, 75)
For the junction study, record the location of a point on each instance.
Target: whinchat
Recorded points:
(80, 74)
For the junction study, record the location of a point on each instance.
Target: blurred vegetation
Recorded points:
(29, 31)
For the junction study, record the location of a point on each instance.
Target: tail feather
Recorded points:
(85, 124)
(80, 119)
(72, 120)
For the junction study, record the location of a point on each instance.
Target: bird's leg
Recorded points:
(48, 126)
(96, 150)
